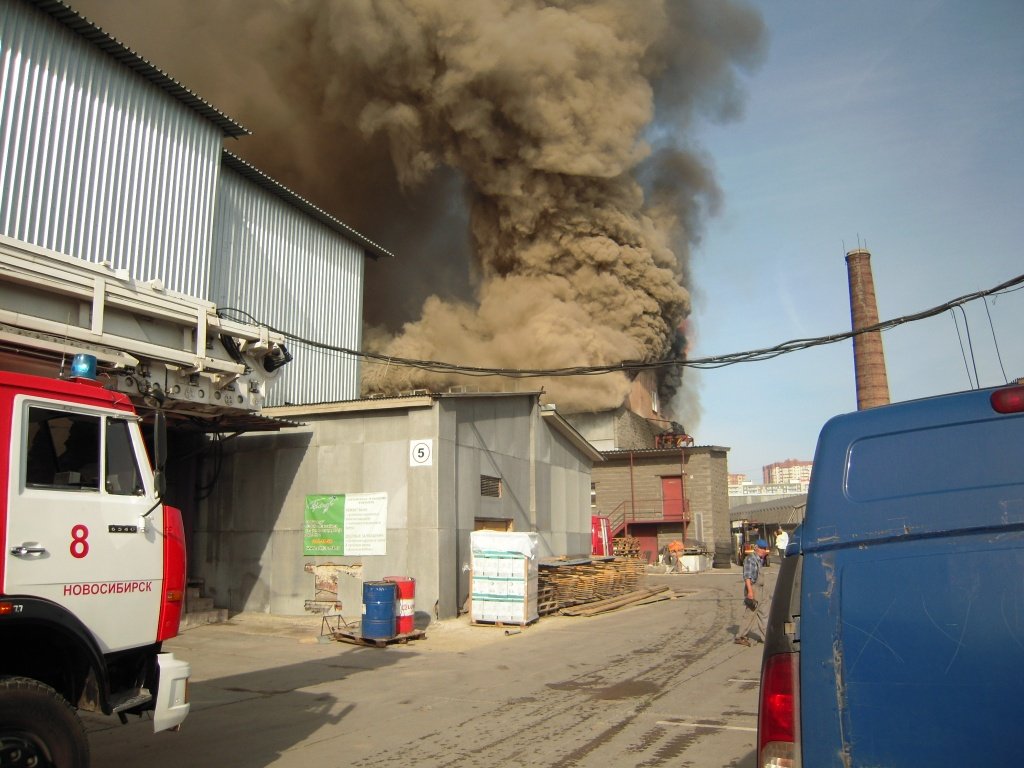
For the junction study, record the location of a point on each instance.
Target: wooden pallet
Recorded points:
(547, 600)
(626, 546)
(502, 624)
(345, 636)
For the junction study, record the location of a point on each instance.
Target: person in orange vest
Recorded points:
(675, 549)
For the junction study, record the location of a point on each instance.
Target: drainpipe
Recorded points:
(632, 496)
(459, 600)
(533, 464)
(682, 489)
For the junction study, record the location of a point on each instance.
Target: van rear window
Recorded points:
(937, 460)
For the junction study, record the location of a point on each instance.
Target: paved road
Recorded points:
(655, 685)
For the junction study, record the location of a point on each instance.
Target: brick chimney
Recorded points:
(868, 356)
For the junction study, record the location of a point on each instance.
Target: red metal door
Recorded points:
(672, 497)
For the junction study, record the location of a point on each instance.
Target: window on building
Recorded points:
(490, 486)
(482, 524)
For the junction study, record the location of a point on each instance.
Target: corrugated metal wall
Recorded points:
(294, 274)
(97, 163)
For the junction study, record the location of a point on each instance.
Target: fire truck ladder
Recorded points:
(150, 342)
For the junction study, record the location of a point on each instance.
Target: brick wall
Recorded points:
(705, 486)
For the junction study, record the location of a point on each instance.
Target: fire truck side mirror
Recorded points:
(160, 452)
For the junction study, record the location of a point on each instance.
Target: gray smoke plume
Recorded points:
(526, 160)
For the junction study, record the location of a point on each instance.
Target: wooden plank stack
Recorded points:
(564, 585)
(636, 597)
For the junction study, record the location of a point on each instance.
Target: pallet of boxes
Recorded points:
(503, 587)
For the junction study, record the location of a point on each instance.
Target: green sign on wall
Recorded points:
(346, 524)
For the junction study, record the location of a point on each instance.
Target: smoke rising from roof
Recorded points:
(526, 160)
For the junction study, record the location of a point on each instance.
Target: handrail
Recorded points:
(646, 511)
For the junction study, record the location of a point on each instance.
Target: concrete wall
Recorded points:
(545, 481)
(709, 495)
(563, 483)
(248, 538)
(248, 543)
(620, 429)
(597, 428)
(491, 437)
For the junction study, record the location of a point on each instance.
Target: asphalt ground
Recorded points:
(661, 684)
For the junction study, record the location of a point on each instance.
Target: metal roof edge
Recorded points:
(120, 52)
(468, 395)
(261, 179)
(616, 452)
(351, 406)
(416, 399)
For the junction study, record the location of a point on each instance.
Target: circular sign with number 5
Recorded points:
(421, 453)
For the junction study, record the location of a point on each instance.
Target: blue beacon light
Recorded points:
(84, 367)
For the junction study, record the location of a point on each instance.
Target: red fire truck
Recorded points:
(92, 575)
(92, 561)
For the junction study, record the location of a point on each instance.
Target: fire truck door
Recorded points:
(76, 496)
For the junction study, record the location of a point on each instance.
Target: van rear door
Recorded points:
(912, 625)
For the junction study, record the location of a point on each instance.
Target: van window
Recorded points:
(937, 460)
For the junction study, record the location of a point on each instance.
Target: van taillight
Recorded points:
(776, 716)
(1008, 400)
(172, 600)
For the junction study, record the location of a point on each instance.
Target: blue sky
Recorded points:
(895, 126)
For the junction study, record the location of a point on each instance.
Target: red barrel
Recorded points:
(404, 605)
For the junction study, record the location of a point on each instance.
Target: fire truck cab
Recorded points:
(92, 573)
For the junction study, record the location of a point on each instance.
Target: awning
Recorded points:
(785, 510)
(227, 422)
(232, 423)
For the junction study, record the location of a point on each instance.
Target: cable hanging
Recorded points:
(995, 342)
(963, 352)
(634, 366)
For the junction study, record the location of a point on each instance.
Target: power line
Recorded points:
(995, 342)
(633, 366)
(963, 352)
(970, 348)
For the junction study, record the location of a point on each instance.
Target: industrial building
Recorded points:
(653, 483)
(664, 494)
(106, 159)
(445, 464)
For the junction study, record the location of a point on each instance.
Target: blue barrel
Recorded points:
(379, 609)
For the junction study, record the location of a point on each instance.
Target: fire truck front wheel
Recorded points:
(38, 727)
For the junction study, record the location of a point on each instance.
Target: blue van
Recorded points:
(896, 633)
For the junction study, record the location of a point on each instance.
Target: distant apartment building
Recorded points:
(788, 472)
(784, 478)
